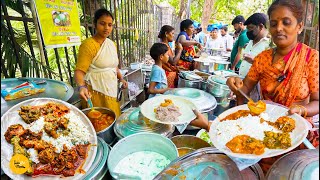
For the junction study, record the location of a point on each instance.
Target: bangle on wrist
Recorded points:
(305, 111)
(84, 86)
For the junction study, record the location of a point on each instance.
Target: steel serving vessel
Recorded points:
(132, 121)
(106, 134)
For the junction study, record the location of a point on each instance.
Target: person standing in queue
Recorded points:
(226, 38)
(214, 41)
(240, 43)
(97, 73)
(289, 73)
(166, 35)
(257, 33)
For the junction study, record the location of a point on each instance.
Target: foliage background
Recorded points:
(223, 10)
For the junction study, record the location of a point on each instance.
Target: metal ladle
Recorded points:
(94, 114)
(244, 94)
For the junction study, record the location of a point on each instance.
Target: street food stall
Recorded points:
(43, 136)
(140, 132)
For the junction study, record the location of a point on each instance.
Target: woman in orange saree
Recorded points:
(288, 74)
(166, 35)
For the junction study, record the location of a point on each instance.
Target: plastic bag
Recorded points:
(20, 91)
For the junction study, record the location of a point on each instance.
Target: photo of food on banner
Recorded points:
(61, 18)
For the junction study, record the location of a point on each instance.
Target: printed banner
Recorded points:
(59, 22)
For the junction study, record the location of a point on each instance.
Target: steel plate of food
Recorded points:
(244, 134)
(45, 138)
(168, 109)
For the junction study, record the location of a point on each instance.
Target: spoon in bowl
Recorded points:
(94, 114)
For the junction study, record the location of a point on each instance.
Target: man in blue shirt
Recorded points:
(241, 42)
(200, 37)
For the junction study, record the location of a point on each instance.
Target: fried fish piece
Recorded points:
(14, 130)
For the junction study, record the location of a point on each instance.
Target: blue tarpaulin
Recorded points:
(196, 24)
(215, 26)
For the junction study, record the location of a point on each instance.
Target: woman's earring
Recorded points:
(299, 32)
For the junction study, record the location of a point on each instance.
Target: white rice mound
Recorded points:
(33, 155)
(78, 134)
(250, 125)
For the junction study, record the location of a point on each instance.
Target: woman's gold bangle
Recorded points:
(305, 111)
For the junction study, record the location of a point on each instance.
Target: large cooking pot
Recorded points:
(203, 66)
(211, 64)
(189, 83)
(216, 85)
(106, 134)
(296, 165)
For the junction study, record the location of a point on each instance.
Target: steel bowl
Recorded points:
(188, 143)
(203, 66)
(106, 134)
(189, 83)
(140, 142)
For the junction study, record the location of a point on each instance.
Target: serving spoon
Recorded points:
(255, 107)
(244, 94)
(94, 114)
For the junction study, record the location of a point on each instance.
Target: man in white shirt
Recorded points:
(257, 33)
(227, 39)
(214, 42)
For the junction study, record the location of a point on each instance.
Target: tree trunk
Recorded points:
(182, 12)
(91, 6)
(207, 10)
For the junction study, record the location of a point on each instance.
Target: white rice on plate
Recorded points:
(250, 125)
(78, 134)
(33, 155)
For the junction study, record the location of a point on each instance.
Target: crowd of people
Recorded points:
(265, 51)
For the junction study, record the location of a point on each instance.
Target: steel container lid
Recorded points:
(132, 122)
(205, 163)
(194, 164)
(301, 164)
(204, 101)
(225, 73)
(213, 79)
(99, 166)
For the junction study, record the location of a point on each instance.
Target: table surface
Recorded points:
(53, 89)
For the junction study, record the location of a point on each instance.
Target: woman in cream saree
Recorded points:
(97, 70)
